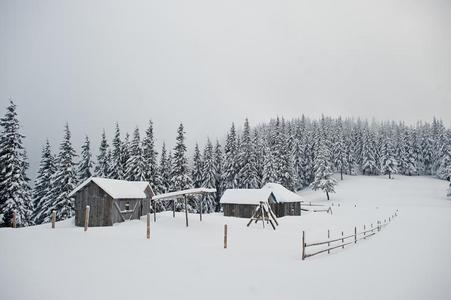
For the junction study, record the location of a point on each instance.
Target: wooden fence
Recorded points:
(343, 240)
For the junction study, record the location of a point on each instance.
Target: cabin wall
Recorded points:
(100, 204)
(246, 210)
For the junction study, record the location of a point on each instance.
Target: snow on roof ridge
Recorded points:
(281, 193)
(117, 188)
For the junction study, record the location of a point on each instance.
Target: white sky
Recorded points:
(209, 62)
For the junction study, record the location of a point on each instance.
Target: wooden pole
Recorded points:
(303, 244)
(87, 208)
(53, 218)
(201, 200)
(225, 236)
(328, 237)
(342, 241)
(186, 211)
(13, 222)
(148, 226)
(364, 233)
(173, 208)
(263, 214)
(355, 234)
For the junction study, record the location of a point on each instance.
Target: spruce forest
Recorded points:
(298, 153)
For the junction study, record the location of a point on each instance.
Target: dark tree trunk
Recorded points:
(327, 194)
(341, 173)
(389, 175)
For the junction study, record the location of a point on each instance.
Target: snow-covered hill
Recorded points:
(409, 259)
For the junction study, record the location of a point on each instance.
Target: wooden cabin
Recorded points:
(241, 203)
(111, 201)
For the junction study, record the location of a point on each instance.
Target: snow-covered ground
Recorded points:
(409, 259)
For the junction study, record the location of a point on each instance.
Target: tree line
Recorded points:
(297, 153)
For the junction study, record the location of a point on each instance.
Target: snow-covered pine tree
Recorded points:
(339, 150)
(151, 173)
(427, 152)
(208, 177)
(259, 155)
(196, 172)
(117, 170)
(27, 191)
(218, 158)
(369, 164)
(388, 161)
(85, 163)
(247, 175)
(269, 163)
(181, 178)
(351, 156)
(14, 189)
(164, 170)
(444, 170)
(409, 161)
(103, 159)
(323, 171)
(43, 184)
(125, 156)
(64, 181)
(230, 160)
(135, 164)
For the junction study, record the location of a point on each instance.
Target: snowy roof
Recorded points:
(178, 194)
(246, 196)
(281, 193)
(117, 189)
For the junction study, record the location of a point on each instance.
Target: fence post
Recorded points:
(13, 222)
(225, 236)
(328, 243)
(342, 241)
(148, 226)
(355, 234)
(303, 244)
(364, 231)
(378, 225)
(86, 217)
(53, 218)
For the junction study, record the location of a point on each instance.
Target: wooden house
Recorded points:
(111, 201)
(242, 202)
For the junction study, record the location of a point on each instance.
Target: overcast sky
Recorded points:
(212, 62)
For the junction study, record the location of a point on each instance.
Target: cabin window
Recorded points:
(127, 205)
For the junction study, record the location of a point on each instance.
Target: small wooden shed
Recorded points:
(242, 202)
(111, 201)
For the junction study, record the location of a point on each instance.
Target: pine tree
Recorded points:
(209, 177)
(14, 189)
(409, 161)
(323, 171)
(247, 175)
(341, 164)
(369, 164)
(165, 170)
(85, 164)
(444, 170)
(64, 181)
(230, 160)
(151, 173)
(218, 160)
(135, 164)
(43, 184)
(196, 173)
(103, 159)
(117, 169)
(388, 161)
(125, 157)
(181, 178)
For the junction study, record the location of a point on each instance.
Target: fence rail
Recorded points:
(357, 236)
